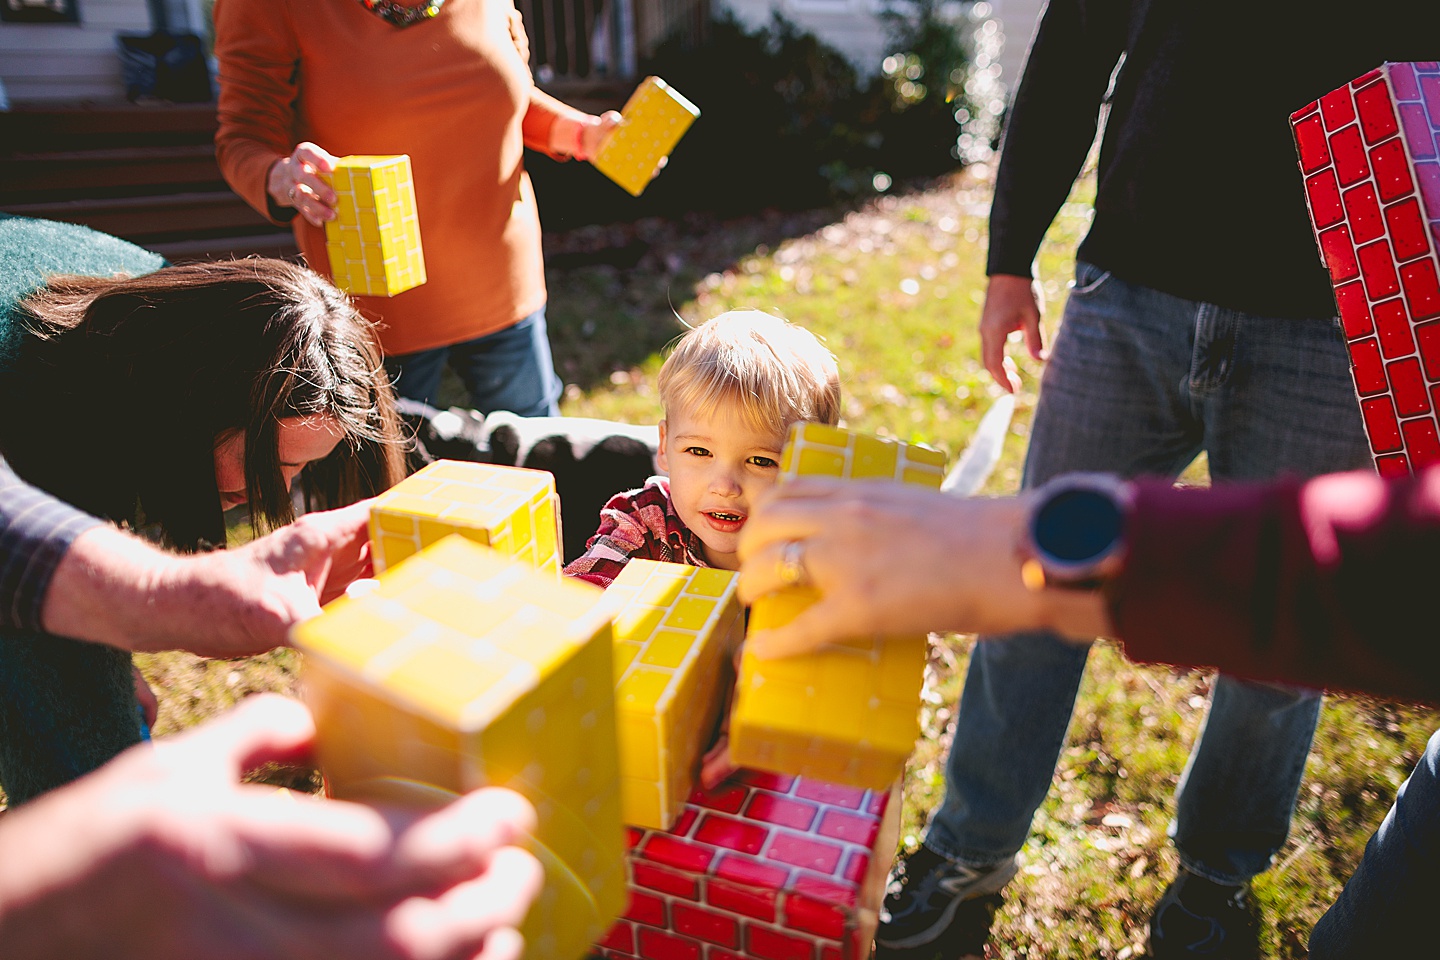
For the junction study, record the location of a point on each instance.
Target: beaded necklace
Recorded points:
(401, 15)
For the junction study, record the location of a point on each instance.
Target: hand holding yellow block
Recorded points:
(846, 713)
(465, 669)
(509, 509)
(656, 117)
(676, 629)
(374, 240)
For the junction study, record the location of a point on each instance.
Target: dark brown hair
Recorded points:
(121, 389)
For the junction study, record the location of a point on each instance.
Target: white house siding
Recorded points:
(67, 61)
(71, 62)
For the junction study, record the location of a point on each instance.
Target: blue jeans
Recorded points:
(1140, 382)
(509, 369)
(66, 708)
(1384, 909)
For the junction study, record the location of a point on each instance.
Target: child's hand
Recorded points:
(716, 766)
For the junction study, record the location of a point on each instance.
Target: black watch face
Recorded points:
(1077, 527)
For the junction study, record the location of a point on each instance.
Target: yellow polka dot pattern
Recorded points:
(465, 669)
(509, 509)
(656, 117)
(847, 713)
(676, 629)
(374, 240)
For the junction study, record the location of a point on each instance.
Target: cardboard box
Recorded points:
(1368, 153)
(509, 509)
(765, 866)
(676, 631)
(847, 713)
(465, 669)
(656, 117)
(374, 240)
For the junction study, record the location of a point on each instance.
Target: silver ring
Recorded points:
(791, 568)
(291, 194)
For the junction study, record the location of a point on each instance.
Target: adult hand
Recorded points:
(112, 588)
(296, 181)
(597, 132)
(164, 854)
(1011, 304)
(582, 136)
(889, 559)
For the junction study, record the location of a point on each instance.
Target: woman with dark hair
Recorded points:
(157, 397)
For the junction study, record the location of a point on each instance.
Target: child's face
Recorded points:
(718, 463)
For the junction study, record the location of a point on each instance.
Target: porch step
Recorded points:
(147, 174)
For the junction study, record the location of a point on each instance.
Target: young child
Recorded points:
(731, 388)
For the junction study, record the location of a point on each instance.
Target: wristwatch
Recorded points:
(1074, 538)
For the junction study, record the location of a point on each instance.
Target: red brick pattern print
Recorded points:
(1369, 155)
(763, 867)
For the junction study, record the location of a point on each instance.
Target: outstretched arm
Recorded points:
(164, 854)
(113, 588)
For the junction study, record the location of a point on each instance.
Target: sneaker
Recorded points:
(1201, 918)
(925, 893)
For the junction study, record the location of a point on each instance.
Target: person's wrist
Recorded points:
(1075, 533)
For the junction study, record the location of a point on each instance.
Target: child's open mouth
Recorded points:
(724, 521)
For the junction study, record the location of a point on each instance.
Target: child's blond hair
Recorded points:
(776, 372)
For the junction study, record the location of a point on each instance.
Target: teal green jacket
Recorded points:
(32, 251)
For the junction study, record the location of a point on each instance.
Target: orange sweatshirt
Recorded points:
(453, 92)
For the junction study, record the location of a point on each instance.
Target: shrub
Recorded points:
(787, 122)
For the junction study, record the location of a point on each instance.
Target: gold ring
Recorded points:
(791, 569)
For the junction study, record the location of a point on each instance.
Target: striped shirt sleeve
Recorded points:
(35, 532)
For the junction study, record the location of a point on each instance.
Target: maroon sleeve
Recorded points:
(1328, 582)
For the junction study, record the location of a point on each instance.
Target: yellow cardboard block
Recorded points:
(656, 117)
(465, 669)
(374, 240)
(676, 629)
(846, 713)
(509, 509)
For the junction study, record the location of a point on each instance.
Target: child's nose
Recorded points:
(725, 482)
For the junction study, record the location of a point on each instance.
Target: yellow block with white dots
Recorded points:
(464, 669)
(510, 509)
(847, 713)
(656, 117)
(676, 629)
(374, 241)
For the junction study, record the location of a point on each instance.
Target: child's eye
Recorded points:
(766, 462)
(697, 451)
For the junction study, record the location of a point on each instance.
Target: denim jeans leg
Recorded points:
(66, 708)
(1109, 401)
(511, 369)
(1236, 796)
(1384, 909)
(416, 376)
(1275, 396)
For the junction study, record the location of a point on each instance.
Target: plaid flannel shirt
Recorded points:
(35, 532)
(637, 523)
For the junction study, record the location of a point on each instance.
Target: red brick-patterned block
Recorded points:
(782, 811)
(736, 834)
(767, 944)
(659, 945)
(759, 904)
(764, 867)
(666, 881)
(645, 908)
(1369, 156)
(707, 925)
(663, 848)
(621, 938)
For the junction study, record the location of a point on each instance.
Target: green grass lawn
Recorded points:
(894, 286)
